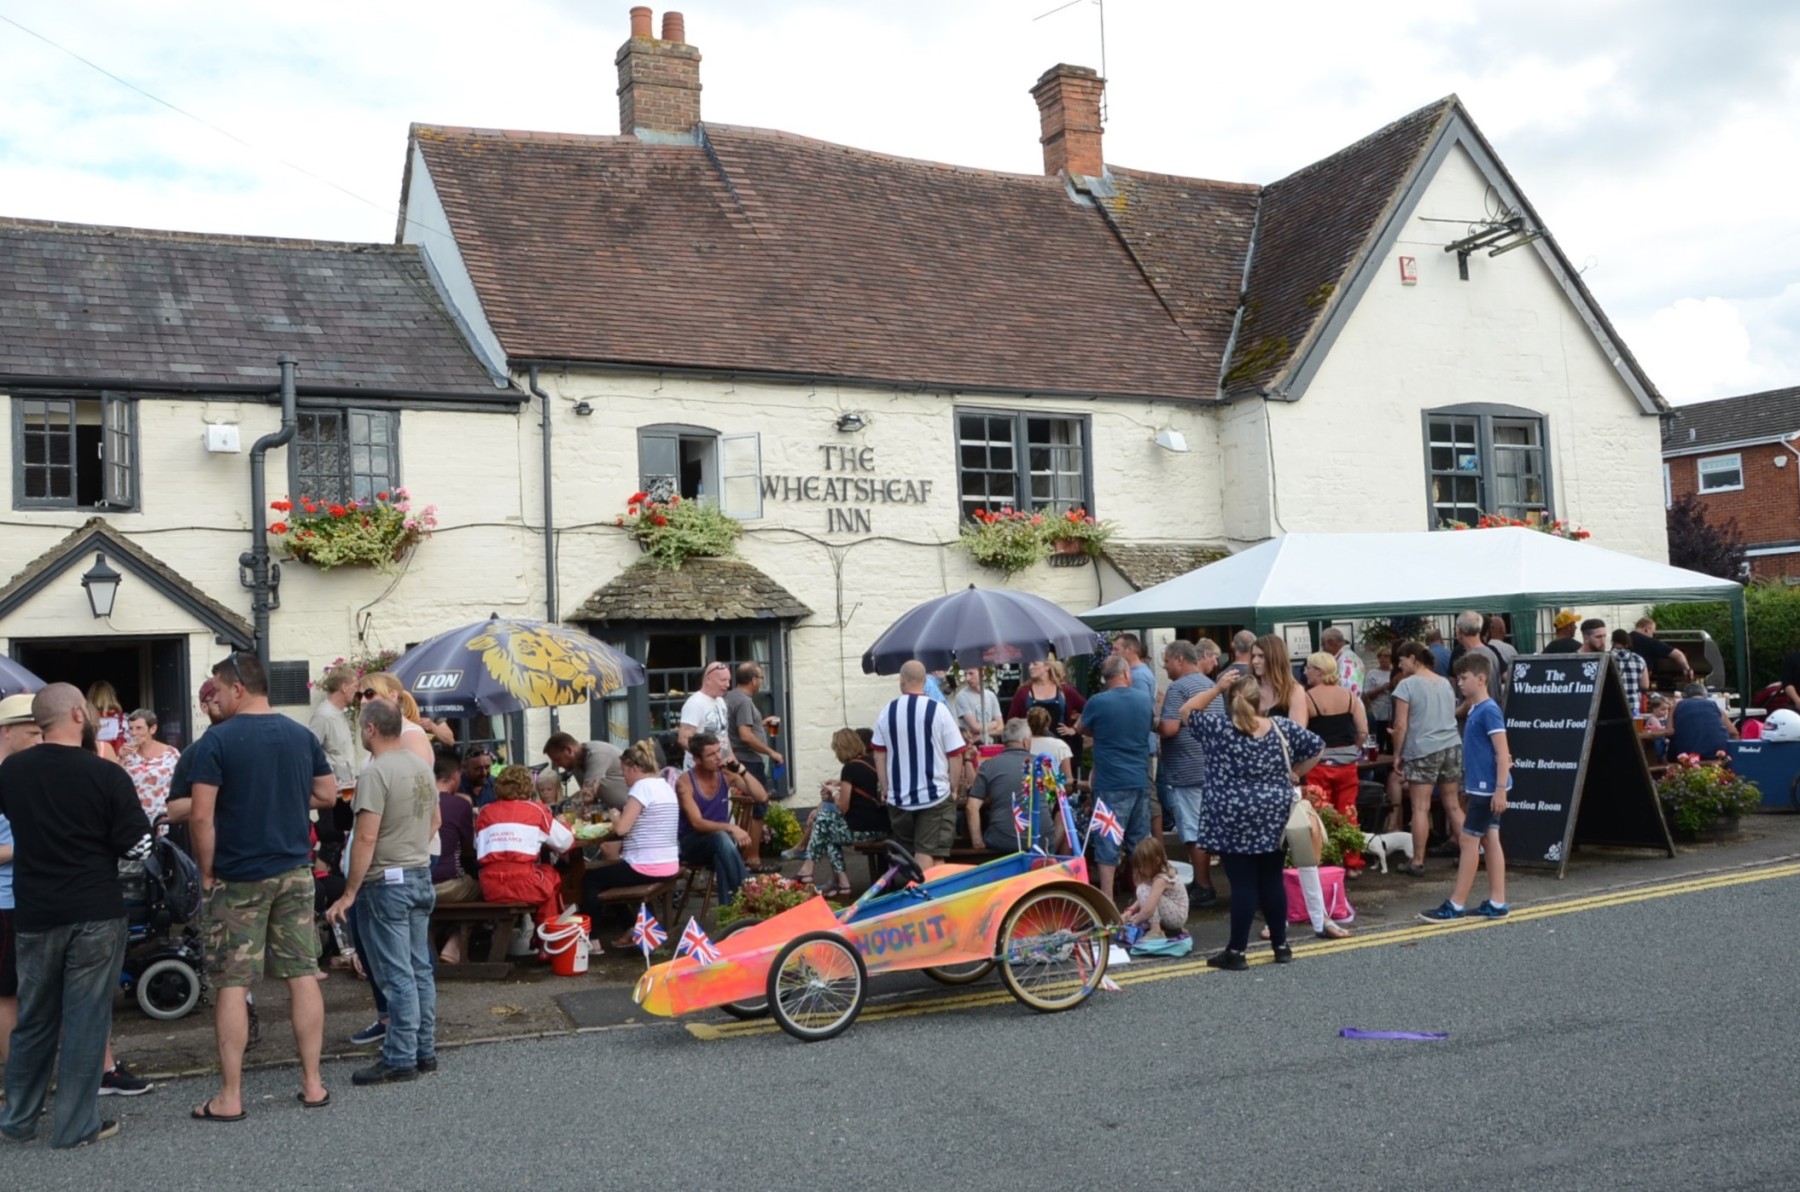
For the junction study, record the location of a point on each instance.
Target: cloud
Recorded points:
(1696, 349)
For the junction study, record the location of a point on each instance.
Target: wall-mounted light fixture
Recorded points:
(1171, 440)
(583, 409)
(102, 585)
(850, 421)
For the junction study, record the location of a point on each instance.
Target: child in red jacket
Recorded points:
(510, 836)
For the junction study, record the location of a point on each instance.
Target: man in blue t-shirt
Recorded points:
(256, 777)
(1190, 667)
(1117, 720)
(1487, 776)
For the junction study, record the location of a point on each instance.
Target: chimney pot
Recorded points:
(659, 79)
(1068, 99)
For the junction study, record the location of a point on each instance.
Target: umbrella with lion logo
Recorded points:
(506, 665)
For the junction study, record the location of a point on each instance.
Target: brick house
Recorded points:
(1742, 456)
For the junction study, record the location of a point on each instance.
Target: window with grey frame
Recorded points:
(1486, 459)
(345, 455)
(1029, 462)
(75, 452)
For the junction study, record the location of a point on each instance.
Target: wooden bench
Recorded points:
(499, 917)
(658, 895)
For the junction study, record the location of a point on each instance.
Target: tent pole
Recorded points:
(1740, 634)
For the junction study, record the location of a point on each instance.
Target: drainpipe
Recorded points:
(549, 519)
(264, 579)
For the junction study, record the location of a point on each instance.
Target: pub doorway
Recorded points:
(146, 672)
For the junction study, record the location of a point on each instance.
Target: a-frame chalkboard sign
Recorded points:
(1579, 774)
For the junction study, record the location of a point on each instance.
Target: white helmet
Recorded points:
(1782, 725)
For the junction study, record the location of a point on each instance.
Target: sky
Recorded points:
(1658, 140)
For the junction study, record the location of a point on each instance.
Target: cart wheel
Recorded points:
(168, 989)
(752, 1007)
(966, 973)
(1053, 950)
(816, 986)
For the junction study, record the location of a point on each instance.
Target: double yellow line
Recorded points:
(1379, 939)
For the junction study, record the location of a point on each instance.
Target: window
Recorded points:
(1486, 459)
(75, 453)
(1721, 473)
(343, 455)
(1668, 489)
(1028, 462)
(697, 464)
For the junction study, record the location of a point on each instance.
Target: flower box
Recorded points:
(375, 533)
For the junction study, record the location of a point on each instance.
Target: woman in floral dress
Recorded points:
(149, 762)
(1252, 764)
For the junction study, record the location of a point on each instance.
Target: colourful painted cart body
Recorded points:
(955, 918)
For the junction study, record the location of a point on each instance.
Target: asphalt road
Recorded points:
(1623, 1042)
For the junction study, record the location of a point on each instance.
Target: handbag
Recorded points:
(1305, 831)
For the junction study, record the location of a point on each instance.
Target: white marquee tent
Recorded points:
(1324, 577)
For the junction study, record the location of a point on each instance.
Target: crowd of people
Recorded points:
(289, 828)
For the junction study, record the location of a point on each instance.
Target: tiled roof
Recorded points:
(700, 590)
(96, 533)
(1311, 232)
(1145, 566)
(1775, 412)
(763, 251)
(1189, 237)
(95, 303)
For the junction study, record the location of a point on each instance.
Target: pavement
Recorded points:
(1626, 1028)
(536, 1004)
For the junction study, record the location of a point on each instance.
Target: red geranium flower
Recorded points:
(381, 496)
(280, 506)
(659, 519)
(279, 528)
(338, 511)
(637, 498)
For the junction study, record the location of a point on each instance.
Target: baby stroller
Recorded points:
(162, 953)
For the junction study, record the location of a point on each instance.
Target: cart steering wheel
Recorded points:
(905, 865)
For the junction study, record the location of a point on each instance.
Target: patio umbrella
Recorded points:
(506, 665)
(979, 627)
(16, 680)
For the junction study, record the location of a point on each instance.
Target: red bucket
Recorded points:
(566, 940)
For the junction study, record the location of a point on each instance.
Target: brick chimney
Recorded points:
(1068, 100)
(659, 78)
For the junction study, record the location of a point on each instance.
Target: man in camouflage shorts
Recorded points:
(257, 775)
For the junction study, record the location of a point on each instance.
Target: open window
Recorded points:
(75, 452)
(1486, 459)
(698, 464)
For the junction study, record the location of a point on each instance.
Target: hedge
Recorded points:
(1773, 615)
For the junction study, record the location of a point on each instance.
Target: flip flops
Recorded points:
(321, 1103)
(204, 1113)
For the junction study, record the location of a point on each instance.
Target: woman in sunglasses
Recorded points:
(417, 732)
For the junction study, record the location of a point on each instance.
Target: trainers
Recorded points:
(380, 1073)
(119, 1082)
(375, 1032)
(1444, 913)
(106, 1131)
(1199, 895)
(1487, 910)
(427, 1063)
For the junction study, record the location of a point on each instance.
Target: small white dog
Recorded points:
(1389, 842)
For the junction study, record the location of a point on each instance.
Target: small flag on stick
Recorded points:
(694, 942)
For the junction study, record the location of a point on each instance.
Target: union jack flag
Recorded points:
(1021, 820)
(694, 943)
(647, 933)
(1106, 823)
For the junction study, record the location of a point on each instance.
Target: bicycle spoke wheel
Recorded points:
(1053, 950)
(749, 1007)
(816, 986)
(966, 973)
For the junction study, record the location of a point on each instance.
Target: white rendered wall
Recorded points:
(1350, 452)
